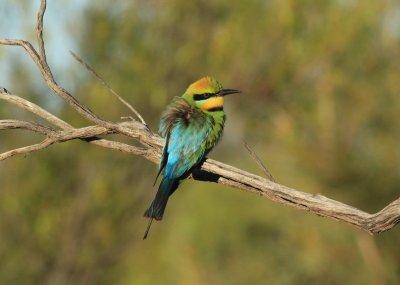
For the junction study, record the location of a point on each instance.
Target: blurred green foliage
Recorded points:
(320, 106)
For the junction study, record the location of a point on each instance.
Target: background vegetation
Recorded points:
(320, 105)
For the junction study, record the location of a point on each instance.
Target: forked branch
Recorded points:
(60, 131)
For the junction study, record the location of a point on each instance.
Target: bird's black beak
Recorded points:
(224, 92)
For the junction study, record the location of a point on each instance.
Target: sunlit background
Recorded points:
(320, 106)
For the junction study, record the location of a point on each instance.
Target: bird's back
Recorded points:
(190, 133)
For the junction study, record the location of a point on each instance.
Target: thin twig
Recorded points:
(259, 162)
(39, 32)
(102, 81)
(31, 126)
(26, 149)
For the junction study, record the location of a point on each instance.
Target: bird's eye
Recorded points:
(202, 96)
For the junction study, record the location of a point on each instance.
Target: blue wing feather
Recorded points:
(185, 148)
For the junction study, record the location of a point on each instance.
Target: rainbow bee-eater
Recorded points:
(191, 126)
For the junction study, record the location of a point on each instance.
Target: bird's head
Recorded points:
(208, 94)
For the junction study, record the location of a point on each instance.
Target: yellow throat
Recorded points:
(212, 103)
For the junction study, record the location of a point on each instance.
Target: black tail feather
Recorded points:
(148, 228)
(157, 207)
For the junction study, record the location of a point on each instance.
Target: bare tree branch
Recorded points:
(35, 109)
(88, 67)
(89, 134)
(210, 170)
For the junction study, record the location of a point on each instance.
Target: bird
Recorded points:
(191, 125)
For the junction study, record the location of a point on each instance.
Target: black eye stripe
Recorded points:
(198, 97)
